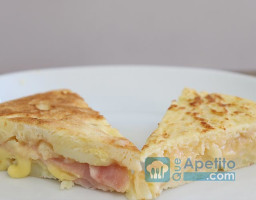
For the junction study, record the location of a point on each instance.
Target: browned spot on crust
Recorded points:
(244, 108)
(145, 146)
(176, 107)
(225, 105)
(206, 125)
(199, 118)
(220, 113)
(210, 98)
(218, 96)
(172, 106)
(202, 121)
(165, 135)
(196, 101)
(195, 115)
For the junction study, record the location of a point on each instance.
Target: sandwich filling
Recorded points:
(32, 162)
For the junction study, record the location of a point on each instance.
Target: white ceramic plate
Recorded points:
(133, 99)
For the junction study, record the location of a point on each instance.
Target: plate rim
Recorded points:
(130, 67)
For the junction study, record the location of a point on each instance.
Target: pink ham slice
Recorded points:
(112, 177)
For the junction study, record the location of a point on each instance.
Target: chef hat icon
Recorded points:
(157, 169)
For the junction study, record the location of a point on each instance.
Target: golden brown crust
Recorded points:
(203, 126)
(65, 112)
(53, 105)
(200, 113)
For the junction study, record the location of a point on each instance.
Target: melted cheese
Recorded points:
(4, 160)
(60, 174)
(21, 168)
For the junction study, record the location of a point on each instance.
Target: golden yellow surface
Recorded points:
(63, 124)
(204, 126)
(197, 115)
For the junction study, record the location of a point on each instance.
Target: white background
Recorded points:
(46, 33)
